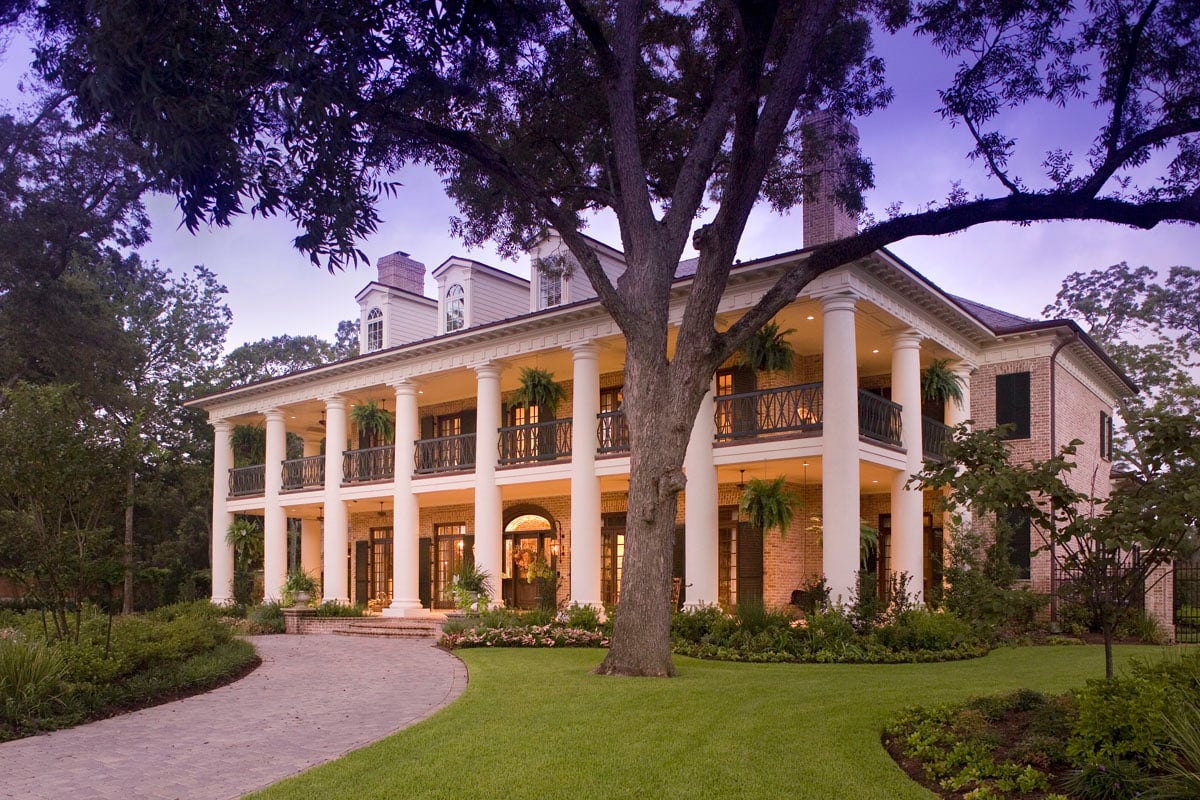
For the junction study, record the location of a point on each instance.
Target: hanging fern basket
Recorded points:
(769, 504)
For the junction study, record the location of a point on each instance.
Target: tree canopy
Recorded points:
(541, 113)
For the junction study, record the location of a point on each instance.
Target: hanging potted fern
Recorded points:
(538, 388)
(939, 384)
(375, 425)
(769, 504)
(768, 350)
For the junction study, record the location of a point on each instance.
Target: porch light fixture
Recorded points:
(810, 318)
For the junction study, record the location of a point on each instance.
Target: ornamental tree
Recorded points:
(541, 113)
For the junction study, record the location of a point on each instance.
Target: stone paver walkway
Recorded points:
(313, 699)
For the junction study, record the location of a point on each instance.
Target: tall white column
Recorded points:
(489, 510)
(406, 514)
(336, 536)
(310, 529)
(959, 414)
(222, 550)
(839, 447)
(274, 518)
(700, 510)
(908, 532)
(585, 486)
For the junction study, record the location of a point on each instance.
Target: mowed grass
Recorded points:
(537, 724)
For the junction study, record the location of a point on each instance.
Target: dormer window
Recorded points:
(550, 289)
(374, 330)
(455, 308)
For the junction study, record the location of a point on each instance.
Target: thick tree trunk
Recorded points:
(660, 412)
(127, 604)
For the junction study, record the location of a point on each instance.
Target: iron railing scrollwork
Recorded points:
(538, 441)
(878, 417)
(303, 473)
(445, 454)
(246, 481)
(369, 464)
(612, 432)
(787, 409)
(934, 438)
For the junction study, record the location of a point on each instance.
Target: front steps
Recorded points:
(393, 627)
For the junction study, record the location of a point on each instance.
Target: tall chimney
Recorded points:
(402, 272)
(834, 142)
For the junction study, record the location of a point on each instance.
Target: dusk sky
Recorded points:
(275, 290)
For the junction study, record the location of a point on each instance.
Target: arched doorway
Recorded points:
(529, 563)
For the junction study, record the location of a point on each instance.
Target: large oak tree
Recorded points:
(541, 113)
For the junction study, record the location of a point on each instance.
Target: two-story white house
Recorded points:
(471, 477)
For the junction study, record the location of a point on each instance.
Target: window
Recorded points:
(1106, 436)
(456, 315)
(381, 564)
(614, 433)
(1012, 404)
(452, 548)
(1020, 542)
(550, 290)
(374, 330)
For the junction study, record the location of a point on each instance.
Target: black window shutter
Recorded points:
(467, 418)
(745, 379)
(1012, 403)
(749, 563)
(425, 573)
(427, 428)
(678, 567)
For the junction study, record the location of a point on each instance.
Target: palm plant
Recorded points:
(249, 443)
(768, 350)
(538, 388)
(246, 537)
(375, 425)
(940, 383)
(769, 504)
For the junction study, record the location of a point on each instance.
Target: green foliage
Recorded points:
(980, 580)
(939, 382)
(583, 617)
(376, 426)
(812, 596)
(922, 629)
(769, 504)
(331, 609)
(471, 587)
(277, 356)
(266, 618)
(538, 388)
(299, 581)
(768, 350)
(1181, 775)
(1115, 780)
(30, 674)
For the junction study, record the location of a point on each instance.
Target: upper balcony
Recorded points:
(783, 412)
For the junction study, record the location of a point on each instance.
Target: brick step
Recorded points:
(415, 629)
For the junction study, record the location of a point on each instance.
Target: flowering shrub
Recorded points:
(551, 635)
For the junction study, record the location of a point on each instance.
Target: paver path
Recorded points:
(313, 699)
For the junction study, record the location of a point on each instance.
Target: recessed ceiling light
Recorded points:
(874, 481)
(810, 317)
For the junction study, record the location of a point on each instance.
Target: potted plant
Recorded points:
(538, 388)
(376, 426)
(940, 384)
(246, 538)
(471, 588)
(768, 350)
(769, 504)
(300, 587)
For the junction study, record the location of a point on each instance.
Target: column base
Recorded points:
(222, 601)
(337, 601)
(406, 608)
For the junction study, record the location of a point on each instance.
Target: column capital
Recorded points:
(963, 369)
(334, 401)
(404, 387)
(222, 426)
(906, 339)
(584, 350)
(273, 414)
(489, 370)
(841, 300)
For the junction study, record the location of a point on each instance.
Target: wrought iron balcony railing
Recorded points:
(934, 438)
(303, 473)
(612, 433)
(539, 441)
(878, 417)
(445, 454)
(787, 409)
(369, 464)
(247, 481)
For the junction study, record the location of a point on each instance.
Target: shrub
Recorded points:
(812, 596)
(696, 625)
(1181, 780)
(920, 629)
(755, 618)
(583, 617)
(332, 609)
(30, 678)
(266, 618)
(1117, 780)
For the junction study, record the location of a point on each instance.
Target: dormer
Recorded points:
(557, 279)
(394, 309)
(471, 293)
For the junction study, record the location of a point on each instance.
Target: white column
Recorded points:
(310, 529)
(700, 510)
(908, 530)
(336, 588)
(839, 446)
(406, 514)
(585, 486)
(222, 550)
(274, 518)
(959, 414)
(489, 511)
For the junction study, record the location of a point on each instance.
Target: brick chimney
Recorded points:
(833, 138)
(402, 272)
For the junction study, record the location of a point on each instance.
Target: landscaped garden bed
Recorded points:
(1137, 736)
(94, 670)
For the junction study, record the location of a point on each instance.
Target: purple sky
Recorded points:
(274, 290)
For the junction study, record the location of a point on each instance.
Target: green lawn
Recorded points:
(536, 724)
